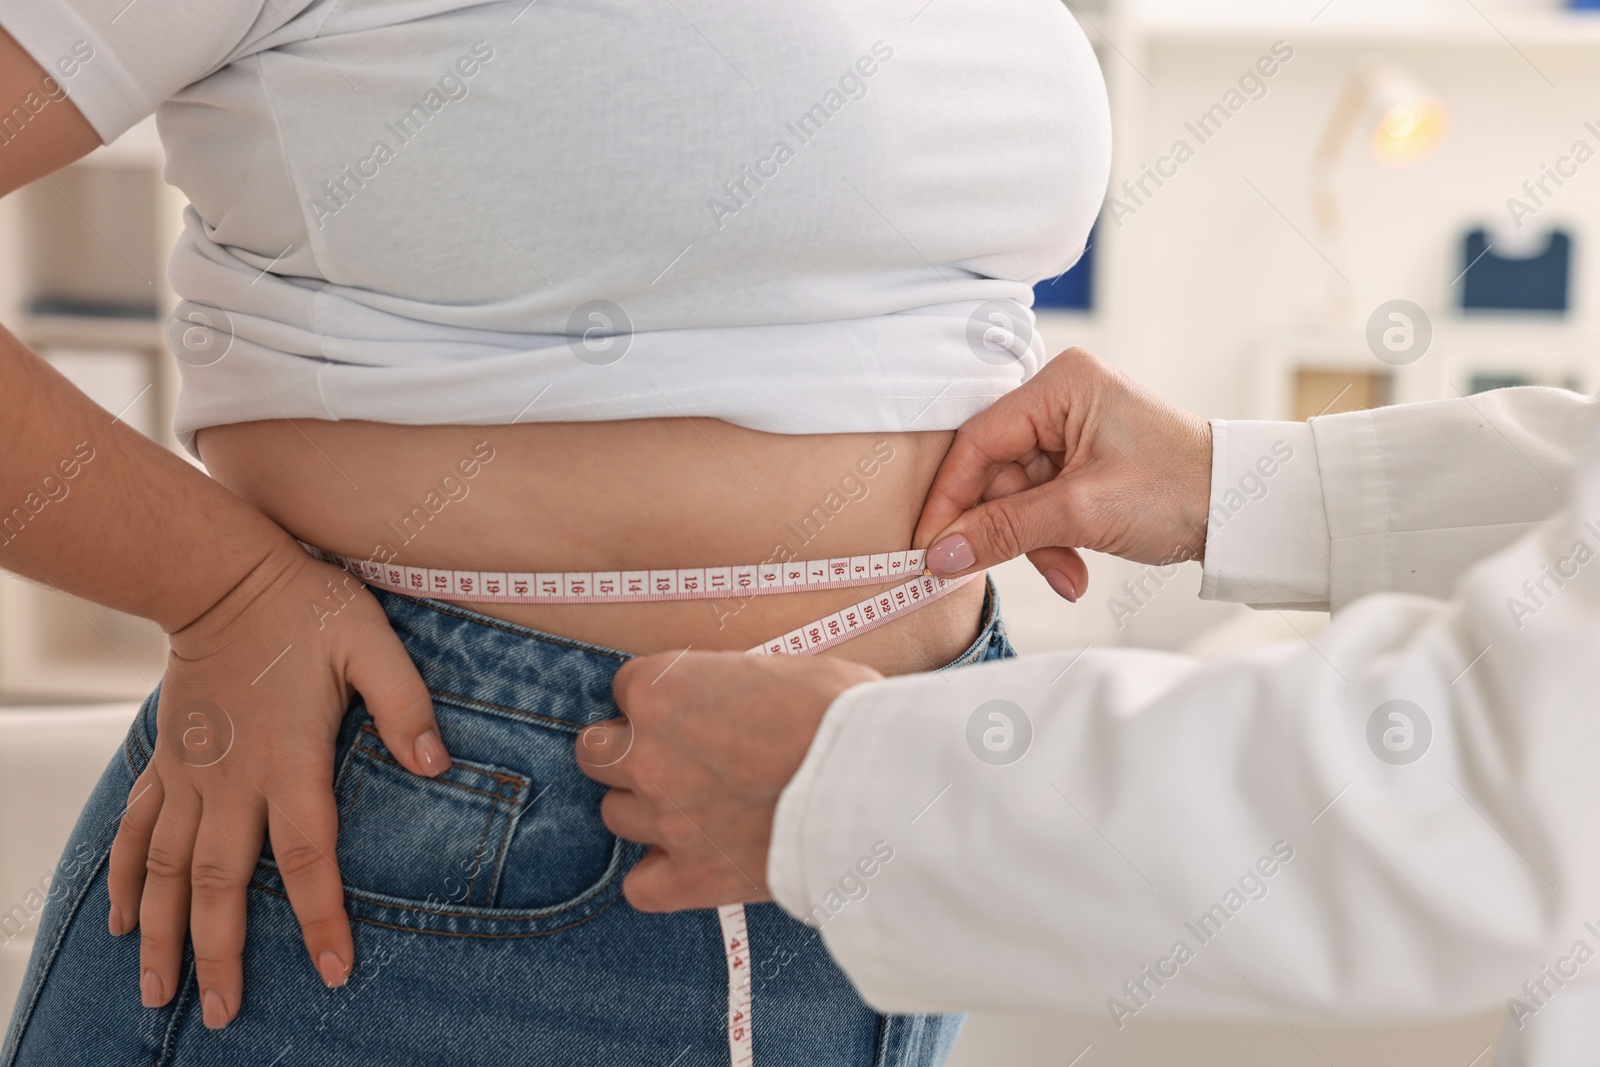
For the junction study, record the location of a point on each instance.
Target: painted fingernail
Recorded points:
(118, 928)
(430, 753)
(951, 555)
(1061, 584)
(213, 1010)
(334, 972)
(150, 990)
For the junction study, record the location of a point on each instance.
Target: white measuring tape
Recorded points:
(694, 583)
(687, 583)
(736, 947)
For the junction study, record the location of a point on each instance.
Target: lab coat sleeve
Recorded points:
(1398, 499)
(1121, 830)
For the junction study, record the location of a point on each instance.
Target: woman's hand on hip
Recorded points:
(1081, 456)
(249, 712)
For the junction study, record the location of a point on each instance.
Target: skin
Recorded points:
(640, 494)
(230, 588)
(710, 740)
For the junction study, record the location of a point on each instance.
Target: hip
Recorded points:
(490, 893)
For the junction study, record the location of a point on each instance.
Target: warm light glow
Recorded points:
(1409, 132)
(1399, 122)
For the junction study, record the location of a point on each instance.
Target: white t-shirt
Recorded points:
(791, 217)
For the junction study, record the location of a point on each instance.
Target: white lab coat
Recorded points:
(1222, 837)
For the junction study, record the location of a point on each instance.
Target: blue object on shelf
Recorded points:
(1487, 381)
(1502, 283)
(1074, 290)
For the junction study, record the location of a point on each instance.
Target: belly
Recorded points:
(612, 496)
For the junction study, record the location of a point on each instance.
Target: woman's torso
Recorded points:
(645, 494)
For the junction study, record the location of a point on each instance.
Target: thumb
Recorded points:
(1064, 569)
(1037, 522)
(397, 699)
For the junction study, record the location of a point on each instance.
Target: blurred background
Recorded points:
(1315, 205)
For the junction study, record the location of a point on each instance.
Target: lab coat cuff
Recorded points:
(1267, 542)
(804, 816)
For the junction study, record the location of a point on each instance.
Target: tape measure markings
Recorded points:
(736, 948)
(868, 614)
(625, 587)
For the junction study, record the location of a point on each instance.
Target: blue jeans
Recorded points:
(487, 907)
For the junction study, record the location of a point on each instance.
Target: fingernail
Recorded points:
(951, 555)
(1061, 584)
(334, 973)
(430, 753)
(213, 1010)
(150, 990)
(116, 922)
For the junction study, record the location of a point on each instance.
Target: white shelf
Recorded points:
(1546, 352)
(91, 330)
(1536, 335)
(1467, 29)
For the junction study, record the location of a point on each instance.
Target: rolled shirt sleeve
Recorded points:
(119, 60)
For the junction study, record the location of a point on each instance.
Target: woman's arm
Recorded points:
(92, 507)
(86, 503)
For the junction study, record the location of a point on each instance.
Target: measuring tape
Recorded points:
(802, 641)
(694, 583)
(688, 583)
(627, 587)
(736, 947)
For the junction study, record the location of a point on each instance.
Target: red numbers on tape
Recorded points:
(736, 943)
(613, 587)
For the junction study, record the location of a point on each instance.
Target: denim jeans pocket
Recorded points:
(411, 836)
(508, 842)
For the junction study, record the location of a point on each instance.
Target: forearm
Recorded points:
(94, 508)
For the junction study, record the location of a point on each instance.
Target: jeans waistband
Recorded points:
(489, 660)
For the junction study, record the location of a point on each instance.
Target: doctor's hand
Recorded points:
(1081, 456)
(709, 742)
